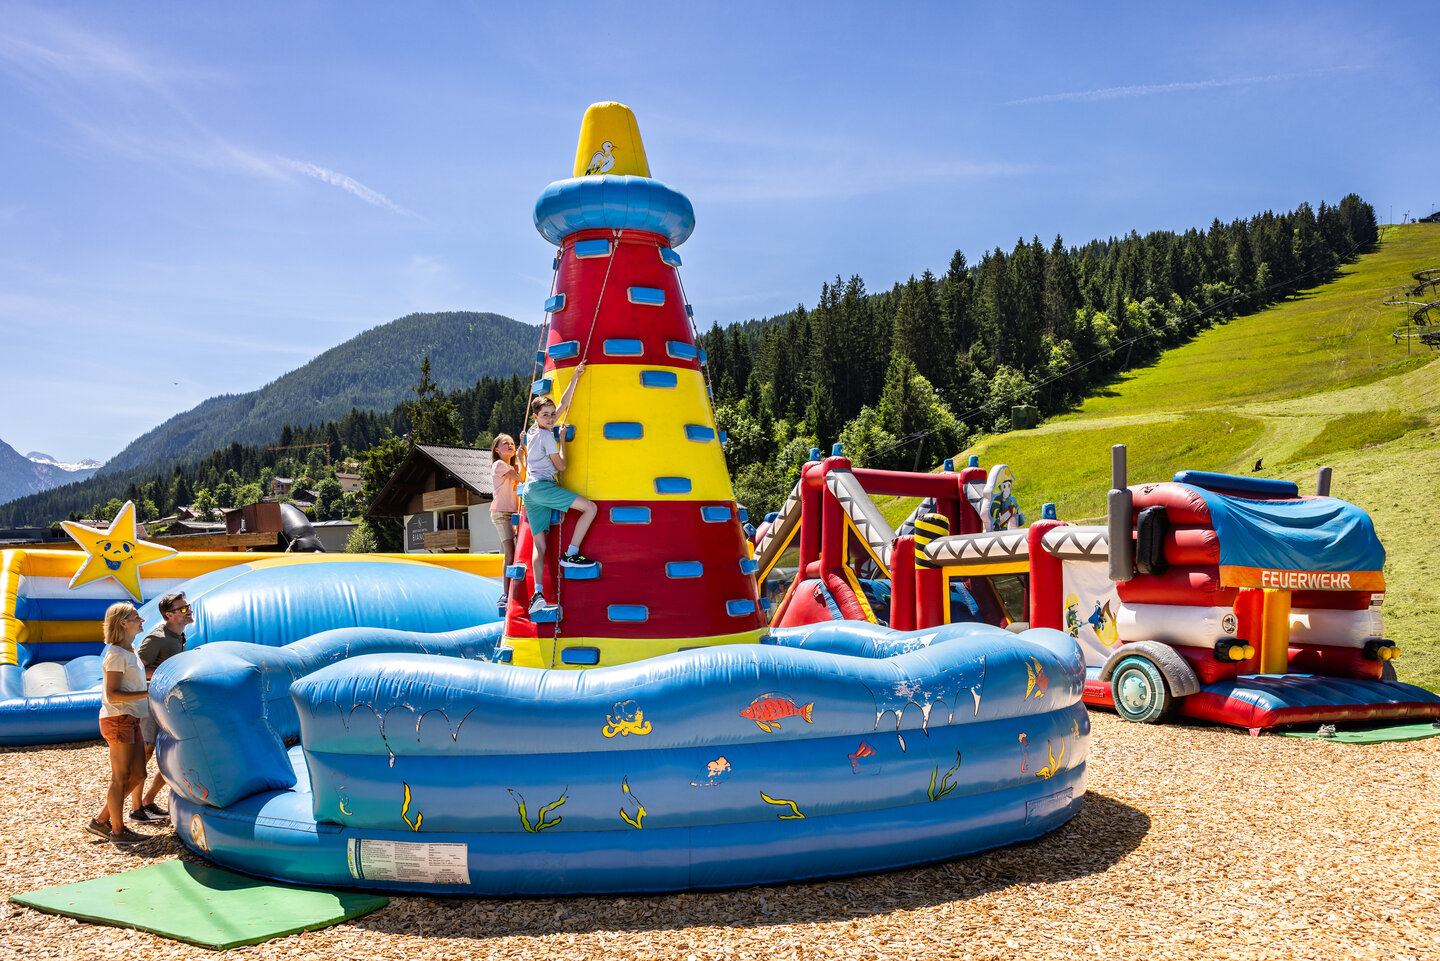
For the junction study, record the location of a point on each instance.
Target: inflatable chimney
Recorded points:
(674, 567)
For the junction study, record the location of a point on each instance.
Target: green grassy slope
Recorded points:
(1314, 381)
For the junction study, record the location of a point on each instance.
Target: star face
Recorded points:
(114, 552)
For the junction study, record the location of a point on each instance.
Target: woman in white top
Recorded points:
(123, 702)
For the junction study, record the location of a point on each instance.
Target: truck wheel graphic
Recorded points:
(1140, 692)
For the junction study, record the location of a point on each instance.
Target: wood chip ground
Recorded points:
(1193, 842)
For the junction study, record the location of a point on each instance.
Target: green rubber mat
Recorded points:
(201, 904)
(1377, 735)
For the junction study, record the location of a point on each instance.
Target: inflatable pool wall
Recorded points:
(831, 750)
(675, 568)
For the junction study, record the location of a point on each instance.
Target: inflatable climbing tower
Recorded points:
(675, 570)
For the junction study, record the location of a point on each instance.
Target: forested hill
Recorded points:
(372, 371)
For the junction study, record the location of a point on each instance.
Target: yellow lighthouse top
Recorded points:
(610, 142)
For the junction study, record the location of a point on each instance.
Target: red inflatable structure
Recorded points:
(1229, 599)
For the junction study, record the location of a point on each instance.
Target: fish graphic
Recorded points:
(715, 771)
(767, 710)
(1037, 683)
(861, 752)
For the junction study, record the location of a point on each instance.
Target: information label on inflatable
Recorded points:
(410, 861)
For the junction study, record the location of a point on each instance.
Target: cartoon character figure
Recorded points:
(602, 161)
(767, 710)
(1072, 615)
(998, 509)
(1024, 752)
(716, 771)
(1103, 621)
(1004, 511)
(627, 718)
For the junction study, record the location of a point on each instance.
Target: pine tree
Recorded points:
(433, 419)
(1062, 293)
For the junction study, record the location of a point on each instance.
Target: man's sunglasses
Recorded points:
(178, 610)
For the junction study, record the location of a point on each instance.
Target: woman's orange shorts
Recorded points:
(121, 729)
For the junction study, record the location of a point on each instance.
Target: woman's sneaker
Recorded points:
(576, 559)
(99, 828)
(149, 814)
(127, 836)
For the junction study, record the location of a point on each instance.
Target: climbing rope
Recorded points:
(617, 237)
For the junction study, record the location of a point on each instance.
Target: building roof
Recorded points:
(466, 467)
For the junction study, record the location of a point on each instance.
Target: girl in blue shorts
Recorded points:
(545, 456)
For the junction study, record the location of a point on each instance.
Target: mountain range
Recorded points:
(374, 370)
(35, 472)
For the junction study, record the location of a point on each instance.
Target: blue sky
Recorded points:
(196, 198)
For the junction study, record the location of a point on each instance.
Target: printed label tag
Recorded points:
(411, 861)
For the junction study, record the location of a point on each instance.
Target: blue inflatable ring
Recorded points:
(615, 202)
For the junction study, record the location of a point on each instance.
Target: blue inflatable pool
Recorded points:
(359, 758)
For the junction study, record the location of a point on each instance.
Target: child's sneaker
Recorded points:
(576, 559)
(537, 603)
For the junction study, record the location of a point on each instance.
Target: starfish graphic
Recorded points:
(114, 552)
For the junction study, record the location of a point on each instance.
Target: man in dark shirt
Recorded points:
(161, 644)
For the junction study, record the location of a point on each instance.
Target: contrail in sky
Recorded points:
(348, 184)
(1148, 89)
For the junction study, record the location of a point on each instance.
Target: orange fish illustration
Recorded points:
(863, 751)
(767, 710)
(1037, 683)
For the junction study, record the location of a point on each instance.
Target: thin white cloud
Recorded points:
(348, 184)
(1152, 89)
(131, 104)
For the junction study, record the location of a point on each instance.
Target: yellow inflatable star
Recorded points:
(115, 552)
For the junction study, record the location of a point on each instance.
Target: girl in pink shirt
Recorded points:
(504, 475)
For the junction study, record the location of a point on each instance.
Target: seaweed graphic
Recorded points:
(640, 813)
(542, 818)
(946, 785)
(405, 810)
(1053, 768)
(782, 802)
